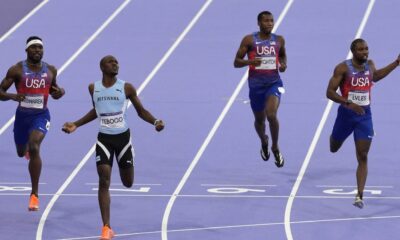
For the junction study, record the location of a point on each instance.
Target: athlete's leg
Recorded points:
(22, 149)
(362, 149)
(271, 110)
(127, 176)
(35, 164)
(104, 172)
(334, 145)
(259, 125)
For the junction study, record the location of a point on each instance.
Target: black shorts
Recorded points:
(119, 144)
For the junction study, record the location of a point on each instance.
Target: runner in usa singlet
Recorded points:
(35, 86)
(357, 85)
(267, 50)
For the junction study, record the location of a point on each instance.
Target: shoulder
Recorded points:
(52, 69)
(341, 67)
(280, 39)
(91, 88)
(248, 39)
(129, 89)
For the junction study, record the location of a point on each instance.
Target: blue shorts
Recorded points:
(347, 121)
(259, 95)
(26, 121)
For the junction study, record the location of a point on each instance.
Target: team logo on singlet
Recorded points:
(266, 50)
(360, 81)
(35, 83)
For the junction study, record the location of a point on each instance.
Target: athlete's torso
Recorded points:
(357, 84)
(111, 104)
(35, 86)
(268, 50)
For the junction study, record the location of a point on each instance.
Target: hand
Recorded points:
(69, 127)
(282, 67)
(56, 92)
(159, 125)
(356, 108)
(18, 97)
(255, 62)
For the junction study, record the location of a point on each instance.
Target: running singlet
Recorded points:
(268, 51)
(111, 104)
(35, 86)
(356, 86)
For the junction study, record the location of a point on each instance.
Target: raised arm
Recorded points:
(383, 72)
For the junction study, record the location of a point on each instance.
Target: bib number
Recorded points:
(33, 101)
(267, 63)
(359, 98)
(115, 120)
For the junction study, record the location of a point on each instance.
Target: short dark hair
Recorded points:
(355, 42)
(263, 13)
(33, 38)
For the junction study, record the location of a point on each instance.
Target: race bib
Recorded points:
(267, 63)
(33, 101)
(113, 120)
(359, 98)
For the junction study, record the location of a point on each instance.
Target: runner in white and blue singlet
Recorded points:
(110, 100)
(34, 80)
(266, 57)
(355, 78)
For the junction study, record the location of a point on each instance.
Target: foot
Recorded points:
(279, 161)
(106, 233)
(358, 202)
(33, 203)
(264, 151)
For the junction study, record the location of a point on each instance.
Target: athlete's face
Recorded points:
(266, 23)
(110, 65)
(35, 53)
(361, 51)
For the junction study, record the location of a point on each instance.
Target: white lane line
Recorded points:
(248, 226)
(139, 90)
(164, 224)
(80, 165)
(203, 196)
(316, 137)
(235, 185)
(334, 186)
(119, 184)
(24, 19)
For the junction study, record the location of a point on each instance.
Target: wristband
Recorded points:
(156, 122)
(348, 102)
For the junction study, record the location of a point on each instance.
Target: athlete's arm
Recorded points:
(12, 76)
(131, 94)
(245, 46)
(383, 72)
(70, 127)
(56, 92)
(338, 76)
(282, 55)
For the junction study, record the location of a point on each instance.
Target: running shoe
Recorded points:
(264, 151)
(279, 161)
(106, 233)
(33, 203)
(358, 202)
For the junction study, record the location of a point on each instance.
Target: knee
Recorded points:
(128, 184)
(33, 148)
(362, 156)
(104, 182)
(271, 117)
